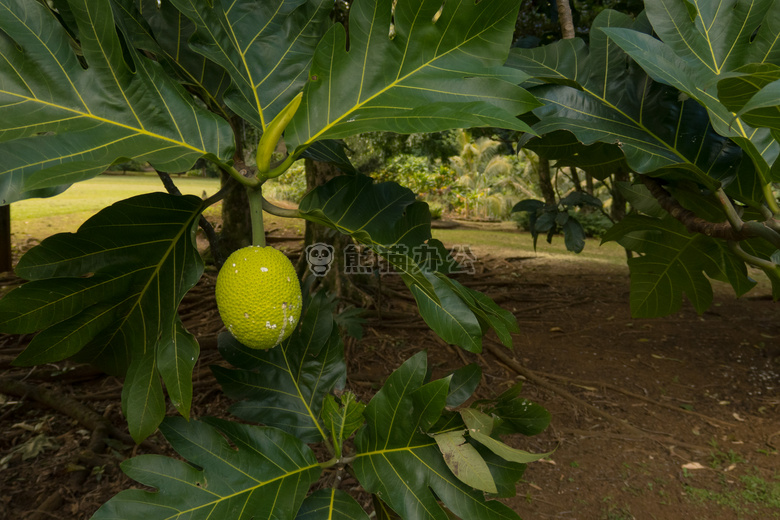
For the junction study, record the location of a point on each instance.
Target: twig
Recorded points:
(52, 503)
(205, 225)
(769, 440)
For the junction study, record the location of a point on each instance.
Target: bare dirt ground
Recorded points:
(673, 418)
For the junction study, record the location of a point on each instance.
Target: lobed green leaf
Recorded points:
(65, 121)
(342, 419)
(404, 466)
(412, 67)
(217, 480)
(673, 262)
(114, 288)
(390, 221)
(265, 47)
(699, 47)
(595, 93)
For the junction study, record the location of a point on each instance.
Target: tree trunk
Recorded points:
(319, 239)
(236, 219)
(236, 222)
(618, 211)
(545, 181)
(6, 261)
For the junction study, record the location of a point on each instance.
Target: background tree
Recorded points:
(488, 178)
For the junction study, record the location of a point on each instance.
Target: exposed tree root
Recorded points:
(85, 415)
(711, 420)
(501, 353)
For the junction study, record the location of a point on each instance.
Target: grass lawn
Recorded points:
(39, 218)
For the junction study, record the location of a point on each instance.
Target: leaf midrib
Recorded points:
(249, 490)
(91, 116)
(289, 370)
(154, 275)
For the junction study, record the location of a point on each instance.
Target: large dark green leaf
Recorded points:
(387, 218)
(599, 159)
(109, 293)
(266, 475)
(286, 386)
(597, 94)
(163, 30)
(763, 110)
(753, 94)
(441, 68)
(445, 311)
(673, 262)
(266, 47)
(401, 464)
(330, 151)
(488, 313)
(703, 43)
(463, 382)
(63, 123)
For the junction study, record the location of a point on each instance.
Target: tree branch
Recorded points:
(242, 173)
(565, 19)
(734, 230)
(170, 186)
(280, 212)
(687, 218)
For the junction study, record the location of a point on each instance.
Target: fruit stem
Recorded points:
(255, 196)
